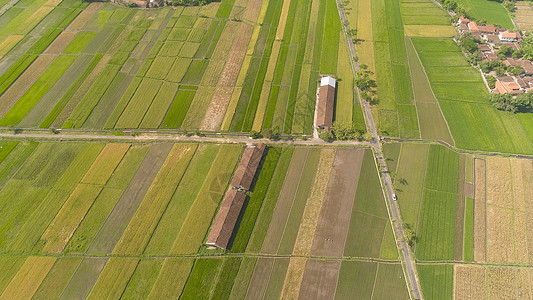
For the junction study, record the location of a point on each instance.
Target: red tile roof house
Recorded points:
(527, 65)
(326, 103)
(230, 209)
(507, 88)
(509, 37)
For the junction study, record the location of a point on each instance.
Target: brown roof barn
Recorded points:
(242, 180)
(233, 202)
(326, 103)
(226, 219)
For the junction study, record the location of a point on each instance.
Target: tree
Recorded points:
(516, 70)
(327, 136)
(491, 80)
(345, 131)
(485, 66)
(255, 135)
(467, 42)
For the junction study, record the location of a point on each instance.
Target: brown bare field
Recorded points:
(500, 235)
(469, 190)
(320, 279)
(252, 10)
(28, 278)
(227, 79)
(78, 95)
(60, 43)
(334, 220)
(217, 109)
(524, 15)
(304, 239)
(480, 211)
(469, 282)
(293, 279)
(499, 185)
(260, 278)
(24, 82)
(84, 17)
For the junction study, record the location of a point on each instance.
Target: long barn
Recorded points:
(326, 103)
(231, 206)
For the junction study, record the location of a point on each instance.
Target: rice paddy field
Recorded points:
(381, 47)
(467, 211)
(227, 66)
(120, 220)
(523, 16)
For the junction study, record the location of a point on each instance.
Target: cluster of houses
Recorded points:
(493, 38)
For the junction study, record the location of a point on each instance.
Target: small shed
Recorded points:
(326, 103)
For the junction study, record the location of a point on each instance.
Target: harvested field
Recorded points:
(28, 278)
(480, 211)
(499, 186)
(475, 282)
(523, 14)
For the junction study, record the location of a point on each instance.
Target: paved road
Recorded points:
(394, 213)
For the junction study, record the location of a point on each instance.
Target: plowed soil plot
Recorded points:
(320, 279)
(334, 219)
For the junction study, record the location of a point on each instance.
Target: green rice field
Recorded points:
(227, 66)
(123, 220)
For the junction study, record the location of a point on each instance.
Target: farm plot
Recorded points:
(464, 102)
(491, 282)
(380, 34)
(506, 205)
(492, 12)
(279, 85)
(151, 205)
(523, 15)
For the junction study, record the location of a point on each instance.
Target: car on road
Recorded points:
(394, 197)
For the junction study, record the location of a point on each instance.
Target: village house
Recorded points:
(326, 103)
(507, 85)
(509, 37)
